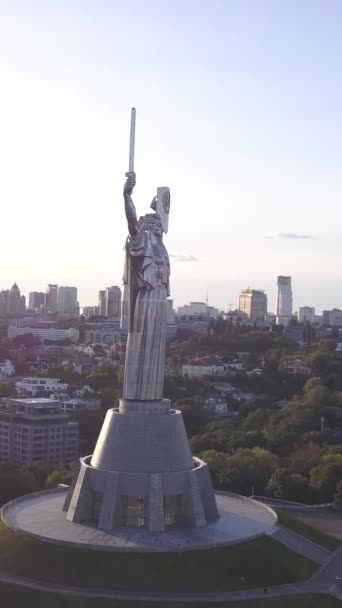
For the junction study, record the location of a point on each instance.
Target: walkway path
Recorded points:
(195, 598)
(328, 574)
(301, 545)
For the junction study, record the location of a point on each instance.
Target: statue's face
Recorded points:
(152, 223)
(157, 229)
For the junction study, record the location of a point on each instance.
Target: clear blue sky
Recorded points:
(239, 108)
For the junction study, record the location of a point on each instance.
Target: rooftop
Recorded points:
(205, 361)
(40, 379)
(38, 401)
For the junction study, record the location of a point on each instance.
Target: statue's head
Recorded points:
(152, 222)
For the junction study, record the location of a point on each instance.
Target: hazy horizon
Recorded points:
(238, 112)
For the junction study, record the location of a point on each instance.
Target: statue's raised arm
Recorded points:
(131, 214)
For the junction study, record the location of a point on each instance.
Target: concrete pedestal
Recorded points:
(142, 473)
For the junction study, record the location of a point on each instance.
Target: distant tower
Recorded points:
(102, 303)
(170, 311)
(67, 300)
(113, 302)
(306, 314)
(16, 302)
(284, 301)
(253, 302)
(51, 298)
(36, 300)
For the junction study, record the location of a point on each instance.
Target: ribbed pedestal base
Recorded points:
(142, 473)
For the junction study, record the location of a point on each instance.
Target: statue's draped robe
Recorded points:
(144, 315)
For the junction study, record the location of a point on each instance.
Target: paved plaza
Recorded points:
(41, 516)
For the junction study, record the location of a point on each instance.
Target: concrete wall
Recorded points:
(140, 442)
(143, 452)
(194, 485)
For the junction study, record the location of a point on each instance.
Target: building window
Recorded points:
(172, 509)
(132, 511)
(97, 505)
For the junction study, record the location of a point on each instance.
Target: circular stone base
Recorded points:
(40, 516)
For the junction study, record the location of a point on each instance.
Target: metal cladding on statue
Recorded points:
(163, 206)
(146, 287)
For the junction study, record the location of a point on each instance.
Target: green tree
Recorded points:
(101, 379)
(215, 439)
(305, 458)
(285, 428)
(194, 416)
(216, 462)
(282, 484)
(311, 384)
(7, 389)
(65, 374)
(319, 361)
(60, 475)
(15, 482)
(255, 465)
(276, 483)
(109, 396)
(256, 421)
(39, 471)
(251, 439)
(90, 423)
(314, 437)
(308, 333)
(325, 477)
(327, 345)
(319, 396)
(297, 488)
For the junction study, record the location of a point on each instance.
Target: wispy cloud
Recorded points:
(183, 258)
(290, 235)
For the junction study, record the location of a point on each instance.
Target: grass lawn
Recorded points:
(316, 536)
(262, 562)
(10, 597)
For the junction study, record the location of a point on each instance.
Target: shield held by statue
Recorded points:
(161, 205)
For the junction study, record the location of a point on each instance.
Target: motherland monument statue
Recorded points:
(142, 472)
(146, 288)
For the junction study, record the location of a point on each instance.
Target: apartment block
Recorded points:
(36, 431)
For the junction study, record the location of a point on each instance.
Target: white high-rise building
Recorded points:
(284, 301)
(67, 301)
(306, 314)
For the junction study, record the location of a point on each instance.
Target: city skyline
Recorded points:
(271, 302)
(240, 117)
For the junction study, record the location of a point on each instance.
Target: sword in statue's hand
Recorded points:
(131, 144)
(131, 214)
